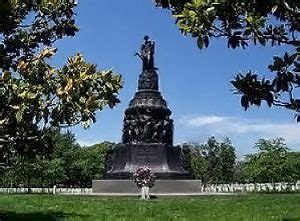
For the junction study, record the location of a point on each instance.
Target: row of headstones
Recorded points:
(214, 188)
(251, 187)
(53, 190)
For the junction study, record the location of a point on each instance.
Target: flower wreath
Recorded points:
(144, 177)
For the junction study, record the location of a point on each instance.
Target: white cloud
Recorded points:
(87, 142)
(233, 125)
(203, 120)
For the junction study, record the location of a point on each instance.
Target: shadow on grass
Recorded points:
(36, 216)
(291, 219)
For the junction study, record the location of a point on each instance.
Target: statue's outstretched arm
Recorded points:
(139, 55)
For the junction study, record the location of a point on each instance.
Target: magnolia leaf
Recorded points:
(86, 124)
(297, 65)
(3, 121)
(47, 52)
(286, 57)
(22, 65)
(5, 76)
(31, 95)
(93, 118)
(83, 76)
(14, 107)
(210, 9)
(206, 41)
(245, 102)
(19, 116)
(59, 91)
(270, 99)
(278, 62)
(109, 85)
(82, 99)
(69, 85)
(23, 94)
(50, 72)
(274, 9)
(200, 42)
(249, 19)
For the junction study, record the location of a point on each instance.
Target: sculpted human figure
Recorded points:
(166, 133)
(135, 130)
(128, 131)
(148, 131)
(157, 130)
(147, 54)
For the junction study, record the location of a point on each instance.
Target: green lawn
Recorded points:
(72, 208)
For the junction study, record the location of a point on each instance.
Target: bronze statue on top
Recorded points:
(147, 54)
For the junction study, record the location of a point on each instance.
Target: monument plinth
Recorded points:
(148, 130)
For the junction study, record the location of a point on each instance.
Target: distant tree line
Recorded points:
(216, 162)
(61, 162)
(273, 162)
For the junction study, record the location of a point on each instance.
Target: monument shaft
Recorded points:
(148, 129)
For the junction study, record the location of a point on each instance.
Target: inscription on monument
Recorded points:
(148, 154)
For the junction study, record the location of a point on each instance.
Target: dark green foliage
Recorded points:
(228, 157)
(239, 172)
(199, 166)
(213, 162)
(67, 164)
(88, 164)
(272, 163)
(246, 22)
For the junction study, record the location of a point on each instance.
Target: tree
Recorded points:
(89, 163)
(67, 164)
(213, 162)
(62, 159)
(239, 172)
(34, 95)
(227, 157)
(245, 22)
(270, 163)
(211, 152)
(198, 165)
(292, 167)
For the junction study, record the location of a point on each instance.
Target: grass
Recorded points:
(285, 207)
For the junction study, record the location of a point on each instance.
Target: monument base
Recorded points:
(166, 162)
(111, 187)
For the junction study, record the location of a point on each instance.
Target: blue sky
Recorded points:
(195, 83)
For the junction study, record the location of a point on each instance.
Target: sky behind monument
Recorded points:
(195, 83)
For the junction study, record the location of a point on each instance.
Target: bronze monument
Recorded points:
(148, 130)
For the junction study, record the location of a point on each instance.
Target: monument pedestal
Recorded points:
(128, 187)
(166, 162)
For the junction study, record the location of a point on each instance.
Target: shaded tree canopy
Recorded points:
(34, 95)
(273, 162)
(242, 23)
(213, 162)
(63, 162)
